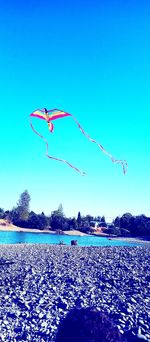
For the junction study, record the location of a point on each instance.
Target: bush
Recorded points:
(112, 230)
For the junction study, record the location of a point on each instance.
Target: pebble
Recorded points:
(41, 283)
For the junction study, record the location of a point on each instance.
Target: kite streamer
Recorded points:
(53, 114)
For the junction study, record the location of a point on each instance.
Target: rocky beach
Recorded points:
(40, 283)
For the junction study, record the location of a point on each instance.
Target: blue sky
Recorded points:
(90, 58)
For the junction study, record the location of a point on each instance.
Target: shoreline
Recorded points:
(12, 228)
(131, 239)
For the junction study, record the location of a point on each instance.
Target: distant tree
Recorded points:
(116, 221)
(112, 230)
(97, 218)
(140, 225)
(60, 210)
(147, 230)
(33, 220)
(89, 218)
(23, 206)
(57, 222)
(44, 222)
(58, 219)
(85, 228)
(135, 225)
(85, 225)
(13, 216)
(103, 219)
(102, 224)
(72, 223)
(127, 222)
(92, 224)
(79, 219)
(37, 221)
(2, 213)
(6, 214)
(65, 225)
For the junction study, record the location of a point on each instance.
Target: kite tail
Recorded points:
(117, 161)
(54, 158)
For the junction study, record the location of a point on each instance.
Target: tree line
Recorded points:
(126, 225)
(21, 216)
(133, 225)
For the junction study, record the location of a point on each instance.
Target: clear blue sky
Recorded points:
(92, 59)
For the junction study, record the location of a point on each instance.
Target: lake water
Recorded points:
(26, 237)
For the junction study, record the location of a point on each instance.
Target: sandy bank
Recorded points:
(12, 228)
(75, 233)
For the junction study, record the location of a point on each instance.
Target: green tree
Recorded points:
(133, 225)
(85, 227)
(59, 212)
(2, 213)
(57, 222)
(88, 218)
(33, 220)
(38, 221)
(140, 225)
(13, 216)
(44, 222)
(23, 206)
(147, 230)
(127, 222)
(58, 219)
(103, 219)
(117, 221)
(72, 223)
(79, 219)
(112, 230)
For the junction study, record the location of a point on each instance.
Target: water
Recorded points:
(26, 237)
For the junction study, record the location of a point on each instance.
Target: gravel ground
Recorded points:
(39, 284)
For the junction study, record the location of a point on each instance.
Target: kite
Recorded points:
(53, 114)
